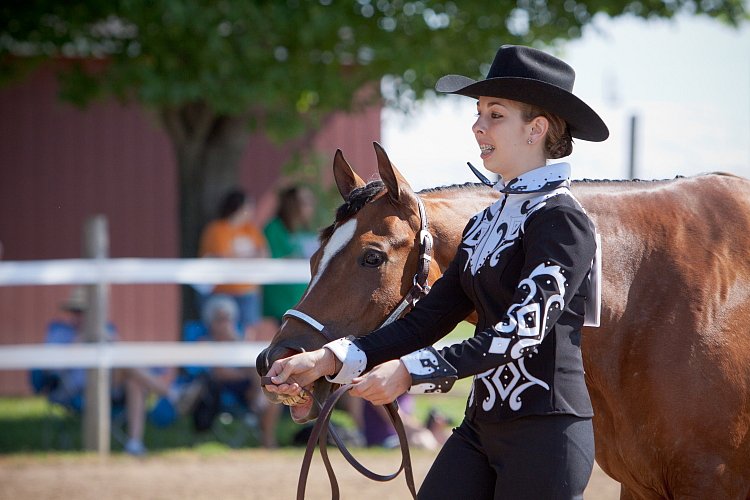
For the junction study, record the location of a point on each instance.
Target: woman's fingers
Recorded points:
(288, 366)
(382, 384)
(299, 370)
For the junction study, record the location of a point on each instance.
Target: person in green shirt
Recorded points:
(289, 236)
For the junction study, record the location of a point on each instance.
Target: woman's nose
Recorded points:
(478, 127)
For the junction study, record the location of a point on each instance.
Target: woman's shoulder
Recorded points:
(560, 211)
(564, 200)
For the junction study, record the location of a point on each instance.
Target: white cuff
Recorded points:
(353, 358)
(429, 371)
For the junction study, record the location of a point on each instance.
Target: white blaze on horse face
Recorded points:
(340, 237)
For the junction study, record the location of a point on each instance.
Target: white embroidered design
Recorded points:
(507, 381)
(524, 319)
(525, 323)
(499, 226)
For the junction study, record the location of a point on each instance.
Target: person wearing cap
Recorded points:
(524, 265)
(130, 387)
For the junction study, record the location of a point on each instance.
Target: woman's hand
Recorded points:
(383, 384)
(296, 372)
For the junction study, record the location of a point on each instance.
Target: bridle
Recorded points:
(420, 286)
(321, 429)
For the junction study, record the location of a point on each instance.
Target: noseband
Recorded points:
(420, 286)
(419, 289)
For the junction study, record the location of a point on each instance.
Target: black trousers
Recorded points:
(545, 457)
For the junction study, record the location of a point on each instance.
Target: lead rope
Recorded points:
(322, 428)
(320, 433)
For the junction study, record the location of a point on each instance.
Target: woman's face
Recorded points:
(306, 205)
(502, 135)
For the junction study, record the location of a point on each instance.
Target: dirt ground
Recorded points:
(251, 474)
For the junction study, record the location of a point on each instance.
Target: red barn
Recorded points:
(60, 164)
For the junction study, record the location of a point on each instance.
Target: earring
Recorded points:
(529, 141)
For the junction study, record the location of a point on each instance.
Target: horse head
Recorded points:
(360, 273)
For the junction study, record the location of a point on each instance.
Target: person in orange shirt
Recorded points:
(233, 235)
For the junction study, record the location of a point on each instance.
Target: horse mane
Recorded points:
(357, 199)
(467, 185)
(623, 181)
(361, 196)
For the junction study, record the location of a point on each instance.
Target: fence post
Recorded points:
(97, 410)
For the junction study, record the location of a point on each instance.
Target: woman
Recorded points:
(524, 265)
(289, 236)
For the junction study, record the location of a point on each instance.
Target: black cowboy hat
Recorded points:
(534, 77)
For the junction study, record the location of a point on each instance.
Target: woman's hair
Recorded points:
(558, 142)
(219, 303)
(231, 202)
(290, 211)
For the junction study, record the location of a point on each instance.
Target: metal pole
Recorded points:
(97, 410)
(632, 150)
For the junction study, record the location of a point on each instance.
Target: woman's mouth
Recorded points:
(485, 150)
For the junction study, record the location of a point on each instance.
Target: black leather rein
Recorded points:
(321, 429)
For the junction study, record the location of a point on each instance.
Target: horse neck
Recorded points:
(449, 210)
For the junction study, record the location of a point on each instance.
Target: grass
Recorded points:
(32, 425)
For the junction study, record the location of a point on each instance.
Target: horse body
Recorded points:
(668, 371)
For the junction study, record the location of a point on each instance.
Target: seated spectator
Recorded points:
(129, 386)
(220, 319)
(379, 430)
(440, 425)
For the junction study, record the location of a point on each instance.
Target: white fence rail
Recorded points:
(129, 271)
(101, 356)
(143, 271)
(129, 354)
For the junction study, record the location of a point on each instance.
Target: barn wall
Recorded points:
(60, 165)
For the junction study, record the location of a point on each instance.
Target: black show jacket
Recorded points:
(523, 264)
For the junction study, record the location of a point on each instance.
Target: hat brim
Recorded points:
(583, 121)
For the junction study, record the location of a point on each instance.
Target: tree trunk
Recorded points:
(208, 148)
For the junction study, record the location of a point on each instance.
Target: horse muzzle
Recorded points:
(302, 409)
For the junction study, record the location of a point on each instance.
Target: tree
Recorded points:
(214, 70)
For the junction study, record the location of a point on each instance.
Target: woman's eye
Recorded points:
(496, 115)
(372, 258)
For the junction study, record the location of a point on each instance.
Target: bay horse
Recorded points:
(668, 370)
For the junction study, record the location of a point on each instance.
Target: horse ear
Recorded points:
(346, 179)
(398, 187)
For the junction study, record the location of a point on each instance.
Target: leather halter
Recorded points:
(321, 429)
(420, 286)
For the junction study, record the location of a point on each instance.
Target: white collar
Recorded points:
(538, 180)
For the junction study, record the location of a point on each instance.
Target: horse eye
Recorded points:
(372, 258)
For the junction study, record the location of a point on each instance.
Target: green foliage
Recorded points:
(209, 67)
(291, 61)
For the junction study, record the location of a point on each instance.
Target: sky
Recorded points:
(686, 81)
